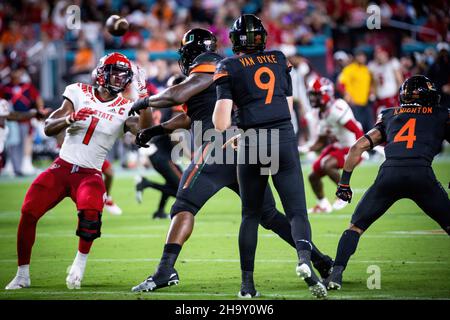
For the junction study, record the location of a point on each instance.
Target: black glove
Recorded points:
(145, 135)
(344, 192)
(138, 105)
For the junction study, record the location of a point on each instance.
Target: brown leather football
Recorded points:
(116, 25)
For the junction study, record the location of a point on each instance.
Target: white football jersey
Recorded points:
(333, 120)
(384, 77)
(87, 142)
(4, 112)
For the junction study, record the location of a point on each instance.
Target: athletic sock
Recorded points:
(170, 255)
(84, 246)
(324, 202)
(247, 284)
(346, 247)
(162, 202)
(81, 260)
(23, 271)
(317, 256)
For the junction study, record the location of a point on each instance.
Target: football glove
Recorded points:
(81, 115)
(344, 192)
(138, 105)
(145, 135)
(139, 81)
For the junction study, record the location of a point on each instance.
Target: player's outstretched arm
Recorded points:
(63, 117)
(367, 142)
(143, 136)
(175, 95)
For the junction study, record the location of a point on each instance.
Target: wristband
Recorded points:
(345, 177)
(370, 140)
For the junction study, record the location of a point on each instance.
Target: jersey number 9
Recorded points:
(269, 86)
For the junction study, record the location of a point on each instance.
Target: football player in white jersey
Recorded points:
(93, 117)
(336, 123)
(387, 76)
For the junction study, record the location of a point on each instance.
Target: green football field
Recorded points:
(410, 251)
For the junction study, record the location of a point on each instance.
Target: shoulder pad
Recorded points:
(207, 58)
(205, 63)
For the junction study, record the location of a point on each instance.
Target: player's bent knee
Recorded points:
(89, 224)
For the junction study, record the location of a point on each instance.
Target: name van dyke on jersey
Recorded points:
(248, 61)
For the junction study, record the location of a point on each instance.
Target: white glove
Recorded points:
(139, 81)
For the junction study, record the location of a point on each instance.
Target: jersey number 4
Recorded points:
(407, 133)
(269, 86)
(90, 130)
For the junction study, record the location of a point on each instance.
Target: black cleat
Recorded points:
(158, 280)
(160, 215)
(248, 291)
(324, 266)
(334, 280)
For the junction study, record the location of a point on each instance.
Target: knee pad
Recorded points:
(89, 224)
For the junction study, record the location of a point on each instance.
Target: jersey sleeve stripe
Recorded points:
(203, 68)
(65, 97)
(220, 75)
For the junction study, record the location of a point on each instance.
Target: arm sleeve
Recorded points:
(352, 126)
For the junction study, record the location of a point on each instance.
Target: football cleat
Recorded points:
(322, 206)
(112, 208)
(19, 282)
(73, 280)
(324, 266)
(316, 288)
(248, 291)
(334, 281)
(339, 204)
(139, 188)
(248, 294)
(157, 281)
(160, 215)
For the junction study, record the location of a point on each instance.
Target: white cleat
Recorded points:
(316, 288)
(112, 208)
(320, 209)
(339, 204)
(18, 282)
(73, 280)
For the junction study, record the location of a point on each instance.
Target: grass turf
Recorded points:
(413, 256)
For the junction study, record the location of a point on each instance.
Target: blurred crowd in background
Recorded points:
(40, 53)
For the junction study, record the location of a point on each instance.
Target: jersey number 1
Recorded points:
(90, 130)
(407, 133)
(269, 86)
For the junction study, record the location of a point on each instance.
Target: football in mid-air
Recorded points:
(116, 25)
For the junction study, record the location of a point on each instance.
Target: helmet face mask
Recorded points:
(248, 34)
(114, 73)
(195, 42)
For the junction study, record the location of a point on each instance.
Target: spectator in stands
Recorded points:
(11, 35)
(439, 73)
(84, 60)
(23, 97)
(355, 85)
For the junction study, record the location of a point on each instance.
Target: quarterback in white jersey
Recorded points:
(93, 117)
(338, 126)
